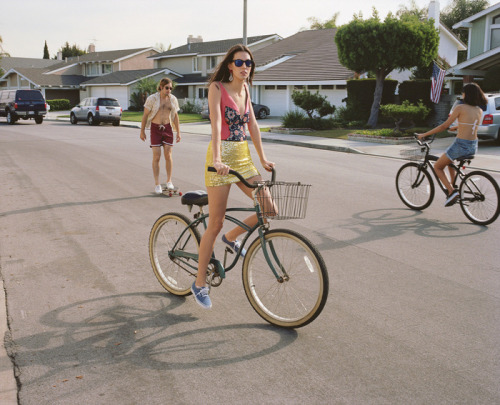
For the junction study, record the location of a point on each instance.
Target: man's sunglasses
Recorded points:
(168, 88)
(240, 62)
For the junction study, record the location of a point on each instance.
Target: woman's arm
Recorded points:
(214, 96)
(453, 116)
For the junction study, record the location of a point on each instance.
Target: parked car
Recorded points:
(95, 110)
(490, 122)
(261, 111)
(22, 104)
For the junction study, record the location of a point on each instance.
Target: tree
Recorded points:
(316, 24)
(312, 103)
(380, 47)
(412, 9)
(46, 51)
(2, 53)
(70, 51)
(459, 10)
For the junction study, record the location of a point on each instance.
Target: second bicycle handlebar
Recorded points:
(240, 177)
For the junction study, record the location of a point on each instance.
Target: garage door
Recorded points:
(118, 92)
(276, 100)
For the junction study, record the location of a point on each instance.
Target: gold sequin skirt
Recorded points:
(237, 156)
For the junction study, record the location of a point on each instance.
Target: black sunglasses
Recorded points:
(168, 88)
(240, 62)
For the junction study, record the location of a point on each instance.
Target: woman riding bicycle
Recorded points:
(230, 109)
(468, 116)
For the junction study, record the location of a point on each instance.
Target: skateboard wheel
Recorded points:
(170, 194)
(180, 192)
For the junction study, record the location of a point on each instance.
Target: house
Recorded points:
(196, 60)
(484, 44)
(65, 79)
(305, 60)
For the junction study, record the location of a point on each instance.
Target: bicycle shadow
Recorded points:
(379, 224)
(113, 329)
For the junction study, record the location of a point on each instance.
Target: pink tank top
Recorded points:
(233, 124)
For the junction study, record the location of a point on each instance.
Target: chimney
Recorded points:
(91, 48)
(59, 55)
(434, 12)
(192, 40)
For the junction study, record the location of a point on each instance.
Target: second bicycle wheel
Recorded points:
(175, 274)
(300, 294)
(414, 186)
(480, 198)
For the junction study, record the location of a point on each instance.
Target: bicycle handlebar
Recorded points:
(240, 177)
(423, 143)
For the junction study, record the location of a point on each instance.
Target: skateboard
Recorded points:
(170, 193)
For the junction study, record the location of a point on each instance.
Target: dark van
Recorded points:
(22, 104)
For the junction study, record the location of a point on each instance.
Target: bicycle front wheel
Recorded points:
(480, 198)
(299, 294)
(175, 273)
(415, 186)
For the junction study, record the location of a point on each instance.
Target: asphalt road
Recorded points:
(413, 314)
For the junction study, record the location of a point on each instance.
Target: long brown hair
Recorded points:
(473, 95)
(221, 73)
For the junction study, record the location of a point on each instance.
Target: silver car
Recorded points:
(95, 110)
(490, 123)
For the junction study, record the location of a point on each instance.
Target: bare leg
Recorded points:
(217, 209)
(156, 163)
(439, 167)
(453, 174)
(249, 221)
(167, 151)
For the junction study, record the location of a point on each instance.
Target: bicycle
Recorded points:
(479, 193)
(284, 276)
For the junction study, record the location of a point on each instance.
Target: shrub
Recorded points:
(405, 112)
(294, 119)
(190, 107)
(312, 103)
(59, 104)
(415, 91)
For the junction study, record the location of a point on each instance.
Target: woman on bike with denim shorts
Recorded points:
(230, 109)
(468, 116)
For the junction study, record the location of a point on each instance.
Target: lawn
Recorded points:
(136, 116)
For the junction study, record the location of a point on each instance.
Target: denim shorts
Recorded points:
(461, 147)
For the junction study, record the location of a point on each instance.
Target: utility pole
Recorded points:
(245, 22)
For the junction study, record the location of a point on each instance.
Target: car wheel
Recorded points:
(91, 120)
(10, 118)
(38, 120)
(116, 123)
(498, 137)
(261, 114)
(72, 119)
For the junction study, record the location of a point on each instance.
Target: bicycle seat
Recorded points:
(198, 197)
(466, 157)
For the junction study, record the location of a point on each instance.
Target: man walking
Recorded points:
(160, 113)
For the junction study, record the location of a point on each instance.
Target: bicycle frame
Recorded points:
(261, 226)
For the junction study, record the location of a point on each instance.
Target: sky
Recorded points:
(25, 25)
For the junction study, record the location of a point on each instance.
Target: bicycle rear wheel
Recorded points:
(301, 295)
(480, 198)
(414, 186)
(175, 274)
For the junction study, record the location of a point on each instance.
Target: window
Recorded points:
(202, 92)
(327, 86)
(298, 87)
(212, 62)
(269, 87)
(341, 86)
(92, 69)
(495, 32)
(106, 68)
(313, 87)
(497, 103)
(281, 87)
(196, 64)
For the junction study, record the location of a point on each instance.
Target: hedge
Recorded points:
(59, 104)
(360, 94)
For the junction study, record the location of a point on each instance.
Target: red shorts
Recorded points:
(161, 135)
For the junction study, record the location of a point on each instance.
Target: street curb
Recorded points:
(335, 148)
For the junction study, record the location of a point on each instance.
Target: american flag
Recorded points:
(437, 80)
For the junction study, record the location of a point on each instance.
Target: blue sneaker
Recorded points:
(201, 296)
(234, 246)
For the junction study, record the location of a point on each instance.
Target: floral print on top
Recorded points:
(236, 124)
(233, 123)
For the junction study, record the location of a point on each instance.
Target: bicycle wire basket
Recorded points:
(282, 200)
(413, 153)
